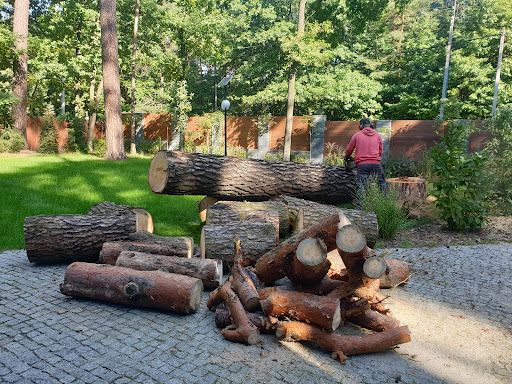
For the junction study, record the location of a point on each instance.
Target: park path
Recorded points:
(457, 305)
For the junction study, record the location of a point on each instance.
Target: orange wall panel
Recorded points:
(300, 133)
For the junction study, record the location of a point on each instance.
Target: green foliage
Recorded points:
(499, 166)
(237, 152)
(11, 141)
(335, 155)
(99, 147)
(459, 185)
(150, 147)
(77, 140)
(390, 217)
(300, 158)
(399, 166)
(48, 143)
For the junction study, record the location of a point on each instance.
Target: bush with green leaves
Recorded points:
(399, 166)
(48, 140)
(335, 155)
(390, 216)
(77, 140)
(459, 182)
(499, 166)
(11, 141)
(99, 147)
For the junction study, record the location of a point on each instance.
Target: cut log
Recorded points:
(203, 207)
(408, 188)
(169, 240)
(233, 178)
(150, 289)
(374, 320)
(337, 270)
(314, 213)
(343, 345)
(207, 270)
(272, 265)
(397, 273)
(320, 310)
(265, 324)
(181, 248)
(309, 264)
(68, 238)
(107, 208)
(242, 284)
(242, 330)
(217, 241)
(226, 211)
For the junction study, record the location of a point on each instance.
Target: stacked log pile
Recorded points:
(306, 288)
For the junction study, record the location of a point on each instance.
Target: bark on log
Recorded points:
(181, 248)
(265, 324)
(232, 178)
(217, 241)
(242, 284)
(320, 310)
(226, 211)
(272, 265)
(309, 264)
(242, 329)
(374, 320)
(409, 188)
(107, 208)
(204, 204)
(206, 270)
(397, 273)
(343, 345)
(68, 238)
(220, 215)
(169, 240)
(150, 289)
(315, 213)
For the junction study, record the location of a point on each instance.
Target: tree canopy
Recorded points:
(378, 58)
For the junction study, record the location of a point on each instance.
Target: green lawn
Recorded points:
(72, 183)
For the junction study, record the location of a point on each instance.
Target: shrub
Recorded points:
(77, 141)
(399, 166)
(335, 155)
(499, 166)
(459, 179)
(48, 143)
(11, 141)
(100, 147)
(390, 217)
(149, 147)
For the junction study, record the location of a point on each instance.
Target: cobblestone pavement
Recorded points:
(458, 306)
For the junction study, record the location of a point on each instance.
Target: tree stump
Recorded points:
(68, 238)
(207, 270)
(151, 289)
(233, 178)
(409, 188)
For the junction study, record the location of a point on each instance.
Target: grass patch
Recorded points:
(72, 183)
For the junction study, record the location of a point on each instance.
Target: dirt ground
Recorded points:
(432, 233)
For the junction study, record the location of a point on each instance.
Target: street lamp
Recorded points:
(225, 106)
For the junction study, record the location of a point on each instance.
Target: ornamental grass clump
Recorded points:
(459, 179)
(391, 218)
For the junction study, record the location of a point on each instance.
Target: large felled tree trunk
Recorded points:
(208, 271)
(232, 178)
(111, 84)
(151, 289)
(19, 78)
(315, 213)
(67, 238)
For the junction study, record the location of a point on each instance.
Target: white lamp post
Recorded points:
(225, 106)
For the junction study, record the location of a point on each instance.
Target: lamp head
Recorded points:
(225, 105)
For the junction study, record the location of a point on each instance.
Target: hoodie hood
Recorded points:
(369, 131)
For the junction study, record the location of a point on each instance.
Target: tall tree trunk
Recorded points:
(94, 101)
(19, 78)
(291, 90)
(133, 149)
(111, 84)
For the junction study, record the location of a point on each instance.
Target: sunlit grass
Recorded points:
(72, 183)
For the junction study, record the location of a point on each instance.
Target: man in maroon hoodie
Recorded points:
(368, 145)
